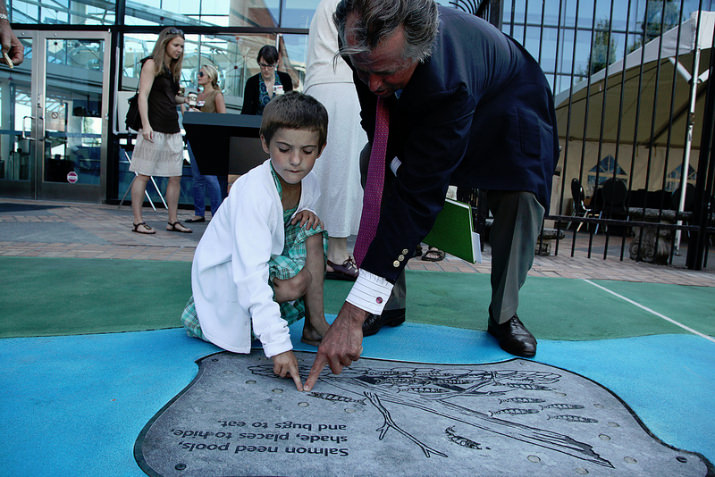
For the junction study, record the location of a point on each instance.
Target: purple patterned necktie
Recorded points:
(372, 197)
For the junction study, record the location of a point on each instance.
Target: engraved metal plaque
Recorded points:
(380, 417)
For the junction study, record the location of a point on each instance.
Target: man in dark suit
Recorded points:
(468, 106)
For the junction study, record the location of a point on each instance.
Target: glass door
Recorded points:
(54, 117)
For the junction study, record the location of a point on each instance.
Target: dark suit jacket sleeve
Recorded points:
(250, 96)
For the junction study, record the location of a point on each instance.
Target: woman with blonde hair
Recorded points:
(159, 148)
(209, 100)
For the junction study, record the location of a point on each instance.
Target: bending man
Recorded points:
(467, 106)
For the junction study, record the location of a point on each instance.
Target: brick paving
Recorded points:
(28, 229)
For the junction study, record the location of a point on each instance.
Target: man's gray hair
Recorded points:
(377, 19)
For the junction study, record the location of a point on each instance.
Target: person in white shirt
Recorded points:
(260, 264)
(329, 79)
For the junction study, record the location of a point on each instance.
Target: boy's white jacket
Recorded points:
(229, 275)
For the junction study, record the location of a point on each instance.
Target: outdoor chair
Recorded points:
(611, 200)
(579, 206)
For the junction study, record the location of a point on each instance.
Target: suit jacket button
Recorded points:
(404, 251)
(401, 258)
(396, 264)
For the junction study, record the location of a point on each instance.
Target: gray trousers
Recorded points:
(516, 227)
(513, 236)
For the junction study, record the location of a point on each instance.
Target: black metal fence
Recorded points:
(632, 82)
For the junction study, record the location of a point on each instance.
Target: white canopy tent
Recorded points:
(593, 107)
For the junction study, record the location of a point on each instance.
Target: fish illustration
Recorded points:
(562, 406)
(516, 411)
(426, 390)
(522, 400)
(451, 381)
(461, 440)
(570, 418)
(526, 386)
(336, 397)
(385, 390)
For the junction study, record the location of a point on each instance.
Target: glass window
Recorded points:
(549, 50)
(620, 15)
(222, 13)
(235, 57)
(298, 13)
(566, 51)
(294, 58)
(533, 41)
(517, 32)
(551, 11)
(585, 13)
(534, 11)
(570, 13)
(63, 12)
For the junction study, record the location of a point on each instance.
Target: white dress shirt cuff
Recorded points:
(370, 292)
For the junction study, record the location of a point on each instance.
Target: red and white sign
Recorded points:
(72, 177)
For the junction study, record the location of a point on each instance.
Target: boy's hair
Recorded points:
(295, 110)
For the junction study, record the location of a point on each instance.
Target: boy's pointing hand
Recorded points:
(285, 364)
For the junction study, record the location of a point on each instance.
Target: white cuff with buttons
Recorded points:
(370, 292)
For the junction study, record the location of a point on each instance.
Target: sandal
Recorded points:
(145, 229)
(348, 271)
(433, 255)
(178, 227)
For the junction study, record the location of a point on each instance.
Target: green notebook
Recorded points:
(453, 232)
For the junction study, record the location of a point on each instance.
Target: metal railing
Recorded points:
(634, 103)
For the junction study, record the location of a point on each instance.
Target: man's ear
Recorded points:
(265, 145)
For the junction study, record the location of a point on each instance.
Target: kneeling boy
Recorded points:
(260, 264)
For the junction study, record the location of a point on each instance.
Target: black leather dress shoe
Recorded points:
(373, 323)
(513, 337)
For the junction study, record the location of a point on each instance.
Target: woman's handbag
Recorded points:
(133, 120)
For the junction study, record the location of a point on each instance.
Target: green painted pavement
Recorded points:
(64, 296)
(561, 308)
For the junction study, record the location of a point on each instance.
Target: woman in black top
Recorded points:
(261, 88)
(159, 150)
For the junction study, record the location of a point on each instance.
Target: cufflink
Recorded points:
(378, 300)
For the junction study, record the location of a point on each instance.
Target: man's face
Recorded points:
(384, 70)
